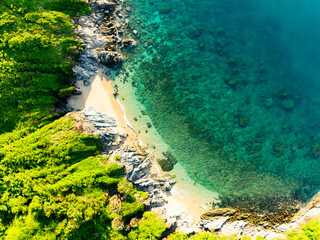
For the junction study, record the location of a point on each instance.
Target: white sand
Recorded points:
(100, 95)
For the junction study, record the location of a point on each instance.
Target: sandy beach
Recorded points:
(98, 92)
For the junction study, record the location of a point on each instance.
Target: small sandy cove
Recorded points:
(99, 93)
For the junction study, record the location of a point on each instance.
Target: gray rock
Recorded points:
(166, 187)
(135, 175)
(216, 223)
(110, 59)
(129, 43)
(234, 228)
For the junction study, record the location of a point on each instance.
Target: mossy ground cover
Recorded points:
(37, 52)
(53, 182)
(55, 185)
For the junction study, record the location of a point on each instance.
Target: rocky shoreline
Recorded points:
(102, 35)
(137, 163)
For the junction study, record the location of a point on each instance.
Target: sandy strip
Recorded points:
(99, 93)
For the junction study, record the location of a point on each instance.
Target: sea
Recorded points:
(232, 89)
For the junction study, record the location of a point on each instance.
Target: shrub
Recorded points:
(117, 224)
(309, 231)
(115, 204)
(117, 157)
(134, 222)
(66, 92)
(125, 187)
(178, 236)
(150, 227)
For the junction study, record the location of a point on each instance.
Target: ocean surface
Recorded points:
(233, 88)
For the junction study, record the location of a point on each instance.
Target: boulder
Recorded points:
(234, 228)
(315, 151)
(216, 223)
(268, 102)
(110, 59)
(243, 121)
(287, 104)
(129, 43)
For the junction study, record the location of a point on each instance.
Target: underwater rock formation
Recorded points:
(167, 163)
(243, 121)
(268, 102)
(315, 151)
(278, 148)
(288, 104)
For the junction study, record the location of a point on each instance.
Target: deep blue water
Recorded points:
(233, 88)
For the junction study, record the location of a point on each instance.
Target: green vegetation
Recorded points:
(37, 51)
(309, 231)
(54, 184)
(150, 227)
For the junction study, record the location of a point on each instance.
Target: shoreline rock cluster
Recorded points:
(102, 37)
(137, 165)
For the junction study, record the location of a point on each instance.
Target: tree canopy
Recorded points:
(37, 51)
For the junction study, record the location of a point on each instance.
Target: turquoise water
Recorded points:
(233, 88)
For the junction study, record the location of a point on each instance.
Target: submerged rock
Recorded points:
(243, 121)
(231, 81)
(287, 104)
(218, 213)
(278, 148)
(268, 102)
(165, 164)
(129, 43)
(315, 151)
(168, 162)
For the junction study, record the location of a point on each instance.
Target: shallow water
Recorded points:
(232, 87)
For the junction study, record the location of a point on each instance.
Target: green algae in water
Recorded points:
(232, 88)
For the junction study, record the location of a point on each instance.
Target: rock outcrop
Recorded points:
(101, 34)
(91, 122)
(310, 212)
(138, 165)
(110, 59)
